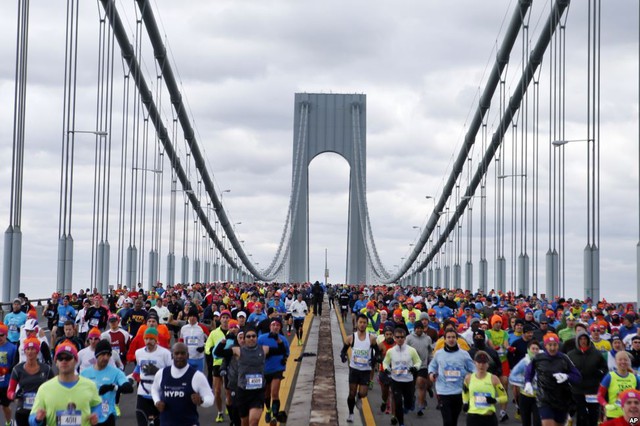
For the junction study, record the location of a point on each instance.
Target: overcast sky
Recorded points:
(421, 65)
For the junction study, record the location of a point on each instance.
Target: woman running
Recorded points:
(481, 391)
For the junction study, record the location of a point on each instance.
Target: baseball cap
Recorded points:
(31, 325)
(226, 312)
(114, 317)
(242, 314)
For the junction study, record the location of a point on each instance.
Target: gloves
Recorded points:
(106, 388)
(561, 377)
(413, 370)
(283, 361)
(343, 358)
(4, 371)
(465, 407)
(149, 369)
(200, 349)
(511, 349)
(491, 400)
(528, 388)
(387, 372)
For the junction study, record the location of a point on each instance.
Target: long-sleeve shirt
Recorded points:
(198, 383)
(400, 359)
(451, 368)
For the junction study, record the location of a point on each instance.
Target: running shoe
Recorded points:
(503, 416)
(370, 384)
(118, 414)
(394, 420)
(420, 412)
(439, 406)
(350, 418)
(220, 418)
(518, 417)
(430, 393)
(267, 416)
(383, 407)
(288, 333)
(299, 342)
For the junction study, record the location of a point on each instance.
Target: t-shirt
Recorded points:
(29, 383)
(108, 376)
(67, 404)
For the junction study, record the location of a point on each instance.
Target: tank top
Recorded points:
(617, 385)
(387, 346)
(251, 368)
(479, 390)
(360, 353)
(176, 394)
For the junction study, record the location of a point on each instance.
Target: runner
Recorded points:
(27, 376)
(526, 402)
(384, 345)
(424, 346)
(273, 369)
(149, 360)
(251, 384)
(67, 399)
(630, 401)
(299, 309)
(109, 380)
(194, 336)
(361, 344)
(553, 371)
(481, 391)
(178, 390)
(214, 338)
(498, 339)
(401, 364)
(118, 337)
(448, 370)
(8, 359)
(614, 382)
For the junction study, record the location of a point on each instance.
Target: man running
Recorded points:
(178, 390)
(361, 344)
(298, 310)
(67, 399)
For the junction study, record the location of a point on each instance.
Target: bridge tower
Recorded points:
(328, 123)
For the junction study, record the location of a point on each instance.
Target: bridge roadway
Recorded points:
(309, 400)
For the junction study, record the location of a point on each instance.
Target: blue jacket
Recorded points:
(451, 368)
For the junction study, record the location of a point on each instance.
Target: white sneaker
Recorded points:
(350, 418)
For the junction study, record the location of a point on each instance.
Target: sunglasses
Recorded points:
(2, 335)
(250, 336)
(398, 337)
(94, 338)
(64, 357)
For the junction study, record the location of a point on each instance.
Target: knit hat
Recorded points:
(94, 332)
(233, 324)
(67, 347)
(397, 313)
(103, 347)
(151, 333)
(31, 342)
(227, 313)
(626, 394)
(496, 318)
(550, 338)
(371, 305)
(4, 329)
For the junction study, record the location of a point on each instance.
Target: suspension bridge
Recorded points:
(518, 207)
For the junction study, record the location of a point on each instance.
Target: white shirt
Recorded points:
(198, 383)
(194, 337)
(160, 357)
(298, 309)
(87, 358)
(163, 314)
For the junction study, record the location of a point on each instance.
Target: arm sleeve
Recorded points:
(200, 385)
(221, 352)
(501, 394)
(602, 395)
(417, 362)
(465, 391)
(11, 390)
(387, 360)
(155, 387)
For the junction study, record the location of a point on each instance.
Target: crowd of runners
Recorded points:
(227, 345)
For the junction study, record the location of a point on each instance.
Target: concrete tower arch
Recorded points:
(326, 123)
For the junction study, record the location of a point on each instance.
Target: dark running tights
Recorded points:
(451, 408)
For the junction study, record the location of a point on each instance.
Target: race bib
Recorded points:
(591, 399)
(69, 418)
(28, 400)
(254, 381)
(104, 406)
(480, 399)
(63, 319)
(400, 371)
(192, 341)
(93, 322)
(360, 360)
(344, 306)
(451, 375)
(13, 327)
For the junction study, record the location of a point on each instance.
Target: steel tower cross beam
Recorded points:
(329, 129)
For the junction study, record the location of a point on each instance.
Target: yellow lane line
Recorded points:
(366, 407)
(292, 367)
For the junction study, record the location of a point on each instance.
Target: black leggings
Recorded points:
(451, 408)
(529, 411)
(402, 396)
(587, 413)
(480, 420)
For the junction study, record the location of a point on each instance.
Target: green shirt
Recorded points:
(57, 399)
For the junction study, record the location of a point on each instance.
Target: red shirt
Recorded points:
(620, 421)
